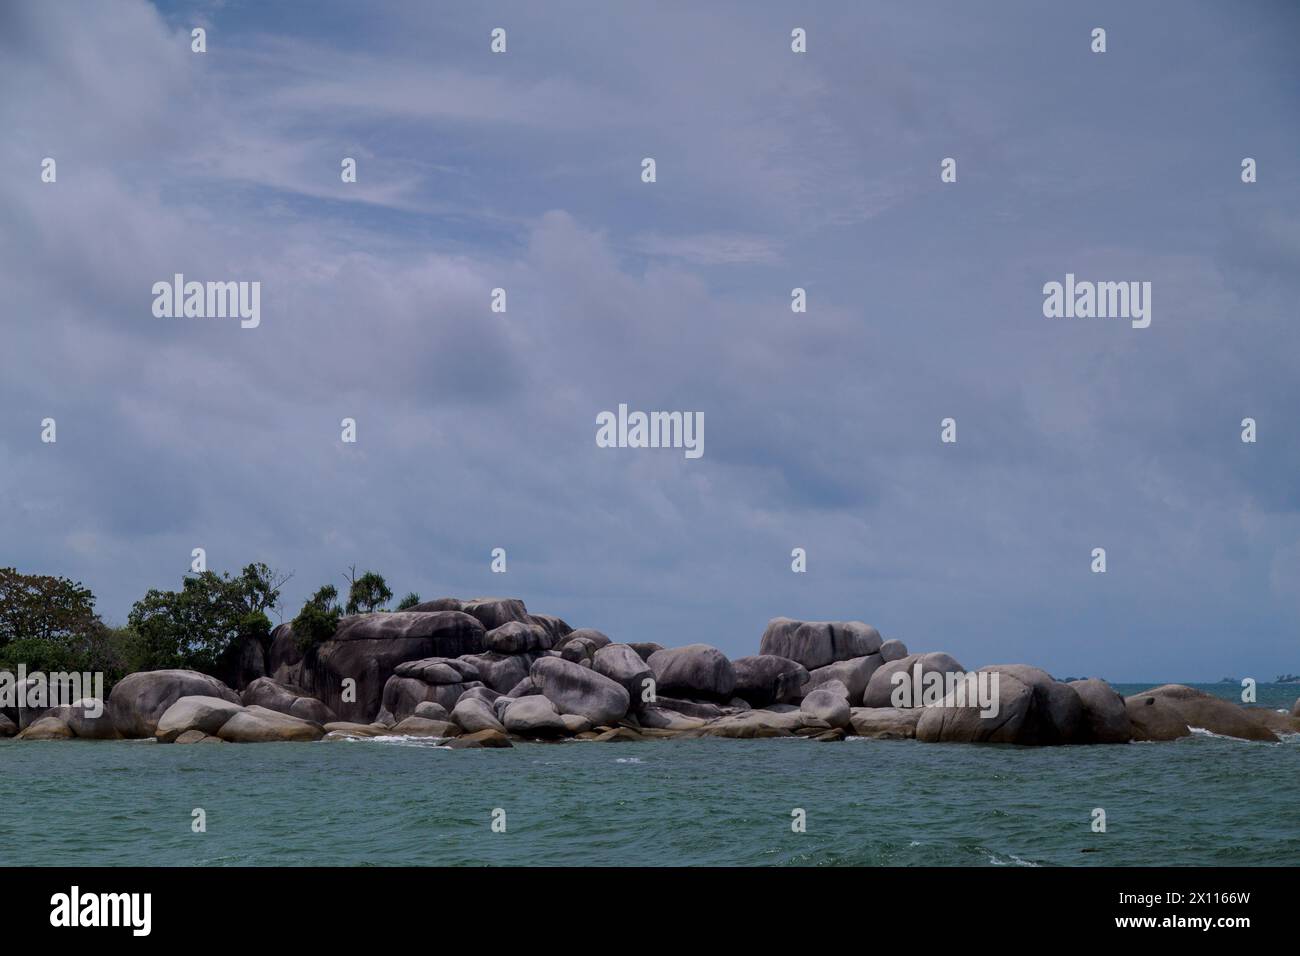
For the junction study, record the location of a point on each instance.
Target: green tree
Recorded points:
(318, 619)
(411, 600)
(42, 607)
(196, 626)
(367, 593)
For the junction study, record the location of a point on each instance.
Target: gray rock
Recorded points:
(480, 739)
(525, 688)
(534, 716)
(46, 728)
(554, 626)
(402, 695)
(892, 651)
(258, 724)
(204, 714)
(765, 679)
(7, 727)
(695, 671)
(139, 699)
(827, 706)
(516, 637)
(424, 727)
(492, 612)
(645, 648)
(885, 723)
(500, 671)
(287, 699)
(89, 719)
(597, 639)
(690, 708)
(818, 643)
(855, 674)
(472, 715)
(1033, 709)
(431, 710)
(1105, 718)
(623, 665)
(368, 648)
(880, 688)
(579, 650)
(578, 690)
(1162, 712)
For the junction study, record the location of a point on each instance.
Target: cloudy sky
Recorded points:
(476, 430)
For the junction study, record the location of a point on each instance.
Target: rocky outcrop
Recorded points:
(693, 671)
(625, 667)
(880, 686)
(1172, 710)
(765, 679)
(1105, 717)
(438, 680)
(46, 728)
(574, 689)
(287, 699)
(827, 707)
(473, 714)
(1032, 709)
(818, 643)
(204, 714)
(257, 724)
(855, 673)
(139, 700)
(533, 716)
(367, 649)
(885, 723)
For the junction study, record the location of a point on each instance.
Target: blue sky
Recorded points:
(476, 430)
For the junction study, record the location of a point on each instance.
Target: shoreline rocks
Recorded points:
(485, 672)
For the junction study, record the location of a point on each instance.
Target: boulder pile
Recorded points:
(485, 672)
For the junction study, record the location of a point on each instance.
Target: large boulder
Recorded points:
(885, 723)
(623, 665)
(1105, 717)
(439, 680)
(533, 716)
(516, 637)
(367, 648)
(693, 671)
(555, 628)
(139, 699)
(892, 650)
(255, 725)
(881, 686)
(575, 689)
(765, 679)
(473, 714)
(825, 706)
(46, 728)
(1172, 710)
(492, 612)
(818, 643)
(1032, 709)
(287, 699)
(500, 671)
(597, 639)
(855, 674)
(89, 718)
(645, 648)
(204, 714)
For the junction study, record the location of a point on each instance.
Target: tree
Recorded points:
(41, 607)
(196, 626)
(318, 619)
(367, 593)
(411, 600)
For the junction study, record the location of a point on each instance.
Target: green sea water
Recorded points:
(1197, 801)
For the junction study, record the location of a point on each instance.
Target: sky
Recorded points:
(774, 170)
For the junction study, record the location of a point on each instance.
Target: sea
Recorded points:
(1200, 801)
